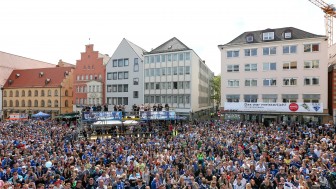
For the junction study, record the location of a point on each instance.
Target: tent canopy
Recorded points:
(41, 115)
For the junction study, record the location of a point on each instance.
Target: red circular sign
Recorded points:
(293, 107)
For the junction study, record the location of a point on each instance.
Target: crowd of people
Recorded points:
(209, 154)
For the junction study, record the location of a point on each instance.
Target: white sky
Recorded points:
(49, 30)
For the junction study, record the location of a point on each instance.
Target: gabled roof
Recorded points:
(278, 36)
(33, 77)
(138, 50)
(105, 57)
(171, 45)
(9, 62)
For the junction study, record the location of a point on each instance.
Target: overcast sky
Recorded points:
(49, 30)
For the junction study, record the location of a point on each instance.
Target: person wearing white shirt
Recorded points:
(239, 182)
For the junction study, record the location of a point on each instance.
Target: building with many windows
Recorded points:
(124, 76)
(89, 79)
(10, 62)
(175, 75)
(32, 90)
(275, 75)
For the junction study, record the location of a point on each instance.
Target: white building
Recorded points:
(275, 75)
(177, 76)
(124, 81)
(94, 92)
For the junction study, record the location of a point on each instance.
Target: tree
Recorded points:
(216, 86)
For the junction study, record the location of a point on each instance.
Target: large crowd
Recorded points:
(198, 155)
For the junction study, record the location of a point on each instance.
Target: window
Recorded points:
(169, 85)
(175, 70)
(311, 64)
(23, 93)
(311, 47)
(251, 52)
(146, 59)
(181, 70)
(311, 81)
(5, 103)
(181, 57)
(311, 98)
(157, 71)
(169, 70)
(65, 93)
(10, 103)
(175, 85)
(115, 63)
(151, 59)
(114, 88)
(42, 103)
(5, 94)
(187, 56)
(288, 35)
(17, 104)
(152, 85)
(268, 36)
(288, 98)
(187, 84)
(146, 72)
(35, 103)
(289, 65)
(49, 92)
(175, 57)
(42, 92)
(146, 86)
(251, 67)
(289, 81)
(23, 103)
(157, 58)
(136, 65)
(163, 58)
(269, 98)
(109, 88)
(135, 94)
(114, 75)
(233, 83)
(187, 70)
(35, 93)
(91, 77)
(232, 53)
(17, 93)
(251, 82)
(163, 85)
(126, 62)
(269, 50)
(187, 99)
(269, 82)
(87, 77)
(232, 98)
(125, 75)
(120, 75)
(56, 92)
(120, 62)
(180, 85)
(269, 66)
(49, 103)
(174, 99)
(249, 38)
(136, 81)
(125, 88)
(125, 99)
(157, 85)
(109, 76)
(163, 71)
(120, 88)
(250, 98)
(56, 102)
(233, 68)
(289, 49)
(169, 57)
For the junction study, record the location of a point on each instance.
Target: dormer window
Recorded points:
(288, 35)
(249, 38)
(267, 36)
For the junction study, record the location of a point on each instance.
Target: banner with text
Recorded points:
(96, 116)
(160, 115)
(274, 107)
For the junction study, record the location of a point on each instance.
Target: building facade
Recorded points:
(32, 90)
(91, 67)
(175, 75)
(275, 75)
(10, 62)
(124, 76)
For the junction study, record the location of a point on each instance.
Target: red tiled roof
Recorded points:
(32, 78)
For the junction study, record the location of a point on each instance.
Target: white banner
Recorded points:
(274, 107)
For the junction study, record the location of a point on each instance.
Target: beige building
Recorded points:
(275, 75)
(33, 90)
